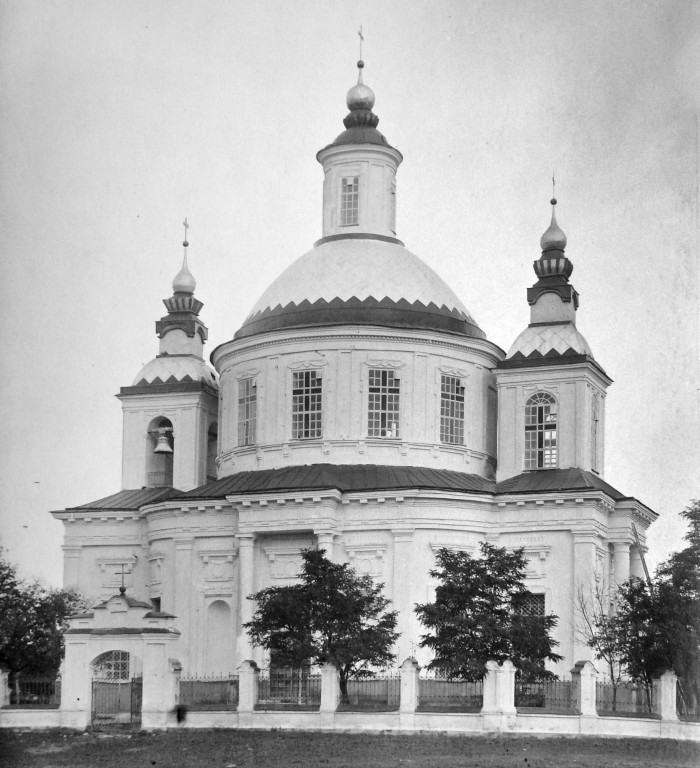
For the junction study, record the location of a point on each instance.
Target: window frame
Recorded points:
(452, 409)
(384, 421)
(307, 405)
(541, 431)
(248, 401)
(350, 201)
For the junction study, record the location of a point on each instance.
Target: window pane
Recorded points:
(247, 401)
(306, 405)
(384, 393)
(541, 431)
(349, 200)
(451, 410)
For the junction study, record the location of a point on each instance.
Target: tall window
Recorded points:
(306, 405)
(349, 200)
(451, 410)
(541, 432)
(247, 411)
(384, 390)
(595, 409)
(530, 605)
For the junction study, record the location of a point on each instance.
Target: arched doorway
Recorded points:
(117, 687)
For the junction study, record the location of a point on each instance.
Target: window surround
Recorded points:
(541, 428)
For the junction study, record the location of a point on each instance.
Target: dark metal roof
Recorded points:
(553, 480)
(130, 499)
(368, 311)
(132, 602)
(343, 477)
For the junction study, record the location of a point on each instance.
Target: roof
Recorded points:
(359, 279)
(130, 499)
(542, 340)
(346, 478)
(132, 602)
(553, 480)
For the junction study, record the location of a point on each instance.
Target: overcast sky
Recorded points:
(121, 118)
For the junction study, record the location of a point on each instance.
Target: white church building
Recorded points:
(361, 409)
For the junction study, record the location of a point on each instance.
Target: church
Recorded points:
(359, 408)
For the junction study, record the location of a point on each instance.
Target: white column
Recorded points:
(403, 592)
(621, 561)
(636, 567)
(4, 688)
(666, 696)
(183, 597)
(409, 685)
(330, 688)
(246, 582)
(324, 540)
(75, 684)
(248, 675)
(584, 574)
(586, 675)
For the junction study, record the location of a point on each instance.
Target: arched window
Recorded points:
(160, 450)
(113, 665)
(212, 437)
(541, 432)
(219, 638)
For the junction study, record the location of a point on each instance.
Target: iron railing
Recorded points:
(288, 689)
(624, 699)
(381, 693)
(35, 692)
(209, 693)
(547, 696)
(441, 693)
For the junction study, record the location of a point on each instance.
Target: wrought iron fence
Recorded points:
(624, 699)
(380, 693)
(209, 693)
(35, 692)
(547, 696)
(441, 693)
(687, 706)
(288, 689)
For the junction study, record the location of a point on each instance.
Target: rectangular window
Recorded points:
(349, 201)
(247, 411)
(530, 605)
(451, 410)
(306, 405)
(384, 393)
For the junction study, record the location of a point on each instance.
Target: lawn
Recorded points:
(270, 749)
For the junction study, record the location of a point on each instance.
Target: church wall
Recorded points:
(418, 360)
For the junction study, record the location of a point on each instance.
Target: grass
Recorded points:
(275, 749)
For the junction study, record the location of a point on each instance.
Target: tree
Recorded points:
(600, 629)
(32, 620)
(477, 615)
(334, 616)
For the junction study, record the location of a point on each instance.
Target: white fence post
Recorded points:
(665, 692)
(498, 709)
(490, 700)
(586, 675)
(248, 675)
(330, 688)
(409, 685)
(4, 688)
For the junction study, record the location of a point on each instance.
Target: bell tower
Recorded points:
(170, 430)
(551, 390)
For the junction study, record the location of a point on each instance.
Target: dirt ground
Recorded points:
(273, 749)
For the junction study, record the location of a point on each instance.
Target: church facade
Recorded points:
(360, 409)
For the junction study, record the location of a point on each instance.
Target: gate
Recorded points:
(117, 703)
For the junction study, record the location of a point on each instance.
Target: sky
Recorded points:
(121, 118)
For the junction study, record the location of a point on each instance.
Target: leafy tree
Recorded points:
(333, 616)
(32, 620)
(477, 616)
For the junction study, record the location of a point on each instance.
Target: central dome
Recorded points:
(359, 280)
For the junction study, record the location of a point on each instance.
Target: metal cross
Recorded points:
(359, 32)
(123, 573)
(186, 226)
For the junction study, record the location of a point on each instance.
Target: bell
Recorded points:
(163, 444)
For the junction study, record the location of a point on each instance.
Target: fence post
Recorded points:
(498, 709)
(408, 701)
(586, 676)
(248, 674)
(330, 688)
(665, 694)
(4, 688)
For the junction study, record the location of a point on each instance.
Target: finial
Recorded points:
(184, 282)
(554, 238)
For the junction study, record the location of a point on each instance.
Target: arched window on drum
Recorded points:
(541, 431)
